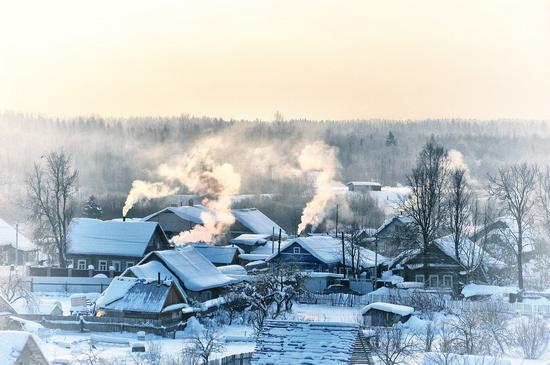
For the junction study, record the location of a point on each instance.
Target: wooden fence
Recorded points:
(239, 359)
(349, 300)
(165, 328)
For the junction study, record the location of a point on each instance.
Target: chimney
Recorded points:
(191, 202)
(158, 278)
(124, 218)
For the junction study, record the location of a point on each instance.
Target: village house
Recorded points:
(112, 245)
(131, 297)
(364, 186)
(197, 277)
(20, 348)
(394, 235)
(319, 255)
(303, 343)
(175, 220)
(219, 255)
(444, 270)
(13, 244)
(381, 314)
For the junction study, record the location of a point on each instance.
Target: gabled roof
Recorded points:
(193, 270)
(5, 306)
(256, 221)
(250, 239)
(7, 238)
(251, 218)
(190, 213)
(136, 295)
(296, 343)
(12, 344)
(97, 237)
(400, 218)
(329, 250)
(217, 254)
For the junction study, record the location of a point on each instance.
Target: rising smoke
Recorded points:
(145, 190)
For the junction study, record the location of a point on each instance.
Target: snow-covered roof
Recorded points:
(150, 270)
(194, 271)
(217, 254)
(135, 295)
(402, 310)
(295, 343)
(233, 270)
(12, 344)
(190, 213)
(7, 238)
(251, 239)
(97, 237)
(5, 306)
(471, 290)
(437, 358)
(257, 222)
(364, 183)
(329, 250)
(470, 254)
(404, 219)
(251, 218)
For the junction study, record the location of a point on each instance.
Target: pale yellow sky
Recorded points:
(247, 59)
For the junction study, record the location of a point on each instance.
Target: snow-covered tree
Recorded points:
(91, 208)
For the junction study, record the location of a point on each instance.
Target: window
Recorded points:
(419, 278)
(448, 281)
(433, 281)
(116, 265)
(129, 264)
(102, 265)
(70, 263)
(82, 264)
(296, 250)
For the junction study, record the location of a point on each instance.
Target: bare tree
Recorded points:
(205, 343)
(393, 345)
(459, 200)
(515, 188)
(425, 206)
(50, 191)
(531, 336)
(15, 287)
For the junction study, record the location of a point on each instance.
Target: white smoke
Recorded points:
(217, 182)
(456, 161)
(145, 190)
(320, 159)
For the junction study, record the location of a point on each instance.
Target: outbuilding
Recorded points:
(380, 314)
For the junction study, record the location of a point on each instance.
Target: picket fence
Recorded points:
(238, 359)
(349, 300)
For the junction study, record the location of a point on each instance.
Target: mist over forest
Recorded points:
(111, 153)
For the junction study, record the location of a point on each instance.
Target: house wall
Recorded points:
(7, 256)
(304, 260)
(377, 318)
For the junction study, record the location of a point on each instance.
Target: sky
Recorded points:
(242, 59)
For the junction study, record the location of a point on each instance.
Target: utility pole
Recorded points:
(343, 256)
(16, 244)
(279, 246)
(336, 228)
(273, 240)
(375, 262)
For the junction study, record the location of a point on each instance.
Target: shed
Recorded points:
(12, 241)
(306, 343)
(380, 314)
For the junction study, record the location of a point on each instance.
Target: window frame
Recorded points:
(114, 264)
(296, 251)
(417, 276)
(430, 277)
(102, 265)
(78, 262)
(450, 277)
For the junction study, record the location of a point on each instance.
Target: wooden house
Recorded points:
(13, 244)
(115, 245)
(394, 235)
(175, 220)
(322, 254)
(319, 343)
(199, 279)
(381, 314)
(443, 269)
(141, 298)
(219, 255)
(20, 348)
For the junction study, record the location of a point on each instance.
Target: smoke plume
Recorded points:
(456, 161)
(216, 182)
(321, 160)
(145, 190)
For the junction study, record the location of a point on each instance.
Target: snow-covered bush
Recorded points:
(531, 336)
(394, 345)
